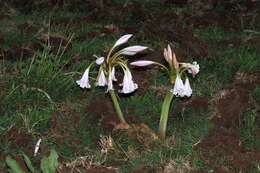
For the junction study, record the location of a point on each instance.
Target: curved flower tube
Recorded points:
(128, 84)
(84, 81)
(101, 80)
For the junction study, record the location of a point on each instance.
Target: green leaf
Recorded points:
(28, 163)
(50, 164)
(13, 165)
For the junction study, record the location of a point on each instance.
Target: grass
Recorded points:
(38, 90)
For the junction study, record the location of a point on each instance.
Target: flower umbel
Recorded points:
(109, 65)
(175, 71)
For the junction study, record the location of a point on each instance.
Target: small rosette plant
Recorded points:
(108, 66)
(176, 71)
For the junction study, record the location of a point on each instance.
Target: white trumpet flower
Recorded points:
(101, 81)
(84, 81)
(142, 63)
(188, 90)
(110, 82)
(132, 50)
(178, 89)
(99, 60)
(113, 74)
(123, 39)
(194, 68)
(128, 83)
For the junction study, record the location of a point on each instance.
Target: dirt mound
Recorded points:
(230, 105)
(103, 113)
(222, 144)
(18, 137)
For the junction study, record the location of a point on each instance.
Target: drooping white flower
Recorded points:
(142, 63)
(188, 90)
(110, 82)
(37, 147)
(101, 81)
(132, 50)
(128, 83)
(99, 60)
(113, 74)
(194, 68)
(84, 81)
(178, 89)
(123, 39)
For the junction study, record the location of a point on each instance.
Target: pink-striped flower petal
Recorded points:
(123, 39)
(132, 50)
(142, 63)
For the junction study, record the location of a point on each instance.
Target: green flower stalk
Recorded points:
(164, 114)
(117, 106)
(175, 71)
(107, 68)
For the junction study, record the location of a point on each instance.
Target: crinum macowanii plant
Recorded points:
(176, 71)
(107, 67)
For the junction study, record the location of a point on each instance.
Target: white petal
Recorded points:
(132, 50)
(179, 89)
(113, 74)
(142, 63)
(110, 82)
(84, 81)
(166, 56)
(188, 90)
(102, 81)
(193, 68)
(123, 39)
(37, 147)
(128, 83)
(100, 60)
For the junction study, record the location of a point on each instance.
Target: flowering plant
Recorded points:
(107, 69)
(175, 71)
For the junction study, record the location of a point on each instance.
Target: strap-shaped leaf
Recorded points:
(13, 165)
(50, 164)
(28, 163)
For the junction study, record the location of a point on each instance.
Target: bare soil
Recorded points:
(223, 140)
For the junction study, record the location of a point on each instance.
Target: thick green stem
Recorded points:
(117, 106)
(164, 114)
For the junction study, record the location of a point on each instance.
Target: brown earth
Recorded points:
(103, 112)
(18, 137)
(168, 26)
(143, 169)
(84, 165)
(223, 141)
(64, 124)
(100, 169)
